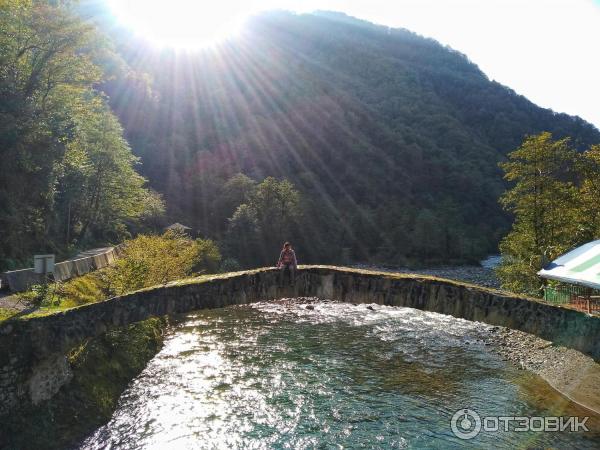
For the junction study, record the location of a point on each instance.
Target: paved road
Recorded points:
(92, 252)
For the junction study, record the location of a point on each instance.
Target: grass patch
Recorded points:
(7, 313)
(47, 299)
(90, 288)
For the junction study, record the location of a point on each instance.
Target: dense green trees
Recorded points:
(588, 166)
(270, 216)
(67, 176)
(99, 190)
(234, 192)
(554, 199)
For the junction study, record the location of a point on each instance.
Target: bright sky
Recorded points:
(547, 50)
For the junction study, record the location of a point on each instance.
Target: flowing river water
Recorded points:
(280, 375)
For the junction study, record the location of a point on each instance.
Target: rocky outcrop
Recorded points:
(28, 346)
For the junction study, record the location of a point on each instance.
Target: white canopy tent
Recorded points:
(580, 266)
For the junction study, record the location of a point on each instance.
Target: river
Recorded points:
(280, 375)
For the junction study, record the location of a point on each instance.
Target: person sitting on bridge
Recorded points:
(287, 263)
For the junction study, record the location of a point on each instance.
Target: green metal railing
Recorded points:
(563, 293)
(579, 297)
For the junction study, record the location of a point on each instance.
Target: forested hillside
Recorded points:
(349, 139)
(392, 140)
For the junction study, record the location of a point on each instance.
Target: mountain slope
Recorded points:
(392, 139)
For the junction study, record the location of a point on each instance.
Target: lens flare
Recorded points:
(182, 23)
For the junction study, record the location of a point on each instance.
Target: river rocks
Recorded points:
(481, 276)
(522, 349)
(570, 372)
(287, 301)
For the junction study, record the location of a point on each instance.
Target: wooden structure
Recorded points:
(179, 228)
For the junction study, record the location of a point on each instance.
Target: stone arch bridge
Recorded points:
(32, 351)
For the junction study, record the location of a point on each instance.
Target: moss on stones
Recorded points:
(102, 368)
(7, 313)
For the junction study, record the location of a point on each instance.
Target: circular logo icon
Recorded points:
(465, 424)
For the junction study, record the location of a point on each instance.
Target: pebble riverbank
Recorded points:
(479, 275)
(573, 374)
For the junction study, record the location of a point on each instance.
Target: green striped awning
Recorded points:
(580, 266)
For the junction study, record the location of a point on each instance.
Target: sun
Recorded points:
(182, 23)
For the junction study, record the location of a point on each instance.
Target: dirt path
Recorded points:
(12, 301)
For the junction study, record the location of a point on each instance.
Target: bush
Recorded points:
(150, 260)
(42, 295)
(209, 256)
